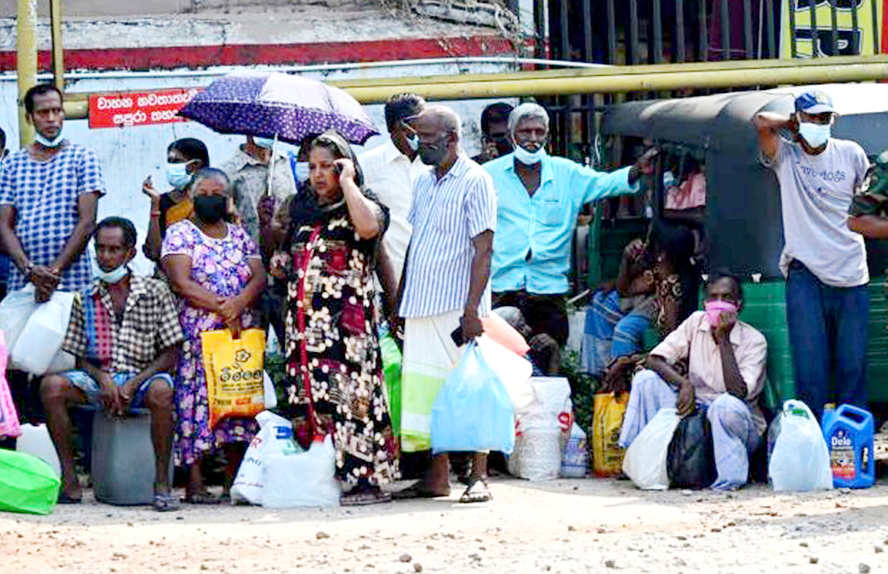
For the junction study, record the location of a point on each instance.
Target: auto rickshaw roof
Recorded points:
(696, 120)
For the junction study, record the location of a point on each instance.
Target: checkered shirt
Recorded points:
(150, 323)
(45, 196)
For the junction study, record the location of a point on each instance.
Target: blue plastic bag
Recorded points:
(473, 411)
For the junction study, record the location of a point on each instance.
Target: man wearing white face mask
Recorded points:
(539, 198)
(248, 172)
(824, 262)
(49, 193)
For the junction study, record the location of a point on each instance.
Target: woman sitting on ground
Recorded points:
(333, 360)
(676, 282)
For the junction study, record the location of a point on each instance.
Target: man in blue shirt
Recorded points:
(539, 198)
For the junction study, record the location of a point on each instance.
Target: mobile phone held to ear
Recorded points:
(457, 336)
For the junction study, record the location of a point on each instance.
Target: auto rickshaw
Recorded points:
(741, 219)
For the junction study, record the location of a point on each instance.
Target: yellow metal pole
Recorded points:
(58, 54)
(729, 65)
(462, 87)
(615, 79)
(26, 62)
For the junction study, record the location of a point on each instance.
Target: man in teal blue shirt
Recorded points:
(538, 200)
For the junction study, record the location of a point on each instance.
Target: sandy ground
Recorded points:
(563, 526)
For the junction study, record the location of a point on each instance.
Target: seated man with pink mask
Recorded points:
(725, 375)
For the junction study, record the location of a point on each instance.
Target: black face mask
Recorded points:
(210, 208)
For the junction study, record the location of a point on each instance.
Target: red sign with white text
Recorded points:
(138, 109)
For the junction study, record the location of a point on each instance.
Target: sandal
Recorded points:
(417, 490)
(476, 492)
(365, 496)
(204, 498)
(165, 502)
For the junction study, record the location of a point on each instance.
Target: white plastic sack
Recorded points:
(43, 335)
(800, 459)
(645, 460)
(305, 479)
(541, 430)
(513, 371)
(275, 437)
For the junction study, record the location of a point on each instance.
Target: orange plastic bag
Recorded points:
(500, 331)
(607, 421)
(234, 373)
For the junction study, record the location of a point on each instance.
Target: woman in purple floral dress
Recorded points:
(215, 268)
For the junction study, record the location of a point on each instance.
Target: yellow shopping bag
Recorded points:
(234, 373)
(607, 420)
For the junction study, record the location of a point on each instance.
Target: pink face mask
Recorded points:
(714, 309)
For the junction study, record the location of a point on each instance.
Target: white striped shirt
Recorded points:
(447, 214)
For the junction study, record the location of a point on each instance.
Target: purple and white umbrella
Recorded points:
(269, 104)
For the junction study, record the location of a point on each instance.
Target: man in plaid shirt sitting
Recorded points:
(125, 333)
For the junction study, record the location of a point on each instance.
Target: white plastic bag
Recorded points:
(541, 430)
(275, 437)
(35, 440)
(800, 459)
(43, 335)
(306, 479)
(15, 310)
(575, 458)
(271, 399)
(645, 460)
(513, 371)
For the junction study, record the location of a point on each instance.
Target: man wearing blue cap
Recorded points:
(824, 262)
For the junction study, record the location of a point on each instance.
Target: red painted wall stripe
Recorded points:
(196, 57)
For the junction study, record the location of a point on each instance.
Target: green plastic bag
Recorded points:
(27, 484)
(391, 365)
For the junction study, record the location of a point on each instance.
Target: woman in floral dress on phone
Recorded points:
(333, 361)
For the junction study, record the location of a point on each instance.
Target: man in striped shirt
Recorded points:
(445, 288)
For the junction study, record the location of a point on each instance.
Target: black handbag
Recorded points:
(691, 459)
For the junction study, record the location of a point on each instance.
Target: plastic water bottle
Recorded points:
(849, 432)
(575, 459)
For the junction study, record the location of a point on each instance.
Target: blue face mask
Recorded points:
(301, 171)
(413, 142)
(528, 157)
(53, 143)
(113, 276)
(815, 134)
(265, 143)
(177, 174)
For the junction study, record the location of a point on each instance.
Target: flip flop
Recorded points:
(476, 492)
(365, 497)
(416, 490)
(165, 502)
